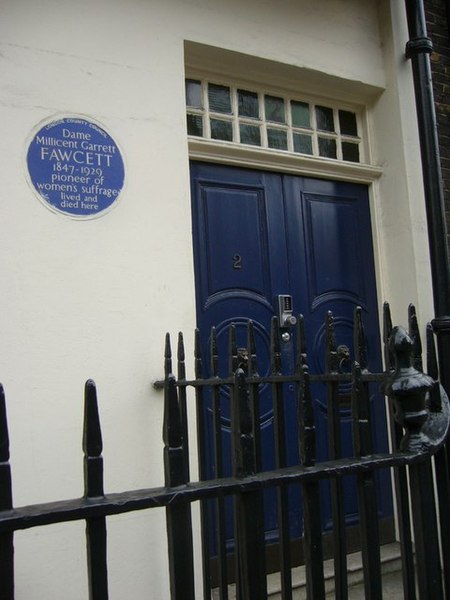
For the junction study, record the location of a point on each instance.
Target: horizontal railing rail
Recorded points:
(261, 379)
(49, 513)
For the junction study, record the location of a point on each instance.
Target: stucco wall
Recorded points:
(94, 298)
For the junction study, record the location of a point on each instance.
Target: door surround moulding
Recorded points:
(270, 160)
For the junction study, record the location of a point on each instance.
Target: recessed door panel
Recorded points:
(235, 240)
(332, 242)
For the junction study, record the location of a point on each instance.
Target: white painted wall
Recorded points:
(94, 298)
(399, 204)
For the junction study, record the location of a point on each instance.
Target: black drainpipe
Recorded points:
(418, 49)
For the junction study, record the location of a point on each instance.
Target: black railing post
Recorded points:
(312, 526)
(335, 452)
(408, 387)
(219, 504)
(233, 364)
(440, 464)
(181, 374)
(178, 514)
(278, 401)
(363, 446)
(367, 497)
(201, 455)
(6, 539)
(93, 488)
(249, 505)
(400, 477)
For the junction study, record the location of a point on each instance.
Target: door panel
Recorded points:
(328, 247)
(235, 221)
(257, 235)
(240, 265)
(236, 232)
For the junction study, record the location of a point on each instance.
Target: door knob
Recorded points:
(289, 321)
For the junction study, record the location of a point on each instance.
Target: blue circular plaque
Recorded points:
(75, 167)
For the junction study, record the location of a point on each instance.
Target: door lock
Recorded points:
(285, 311)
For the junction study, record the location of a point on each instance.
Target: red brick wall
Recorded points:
(438, 25)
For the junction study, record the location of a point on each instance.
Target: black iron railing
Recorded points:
(419, 426)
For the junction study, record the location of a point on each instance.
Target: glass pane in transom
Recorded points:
(324, 118)
(303, 143)
(327, 147)
(300, 114)
(219, 98)
(277, 139)
(248, 105)
(195, 125)
(274, 109)
(347, 123)
(194, 93)
(221, 130)
(350, 151)
(250, 134)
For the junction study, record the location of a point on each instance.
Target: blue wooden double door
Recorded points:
(258, 235)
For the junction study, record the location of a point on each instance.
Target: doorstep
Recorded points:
(390, 569)
(390, 563)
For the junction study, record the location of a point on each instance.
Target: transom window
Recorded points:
(253, 117)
